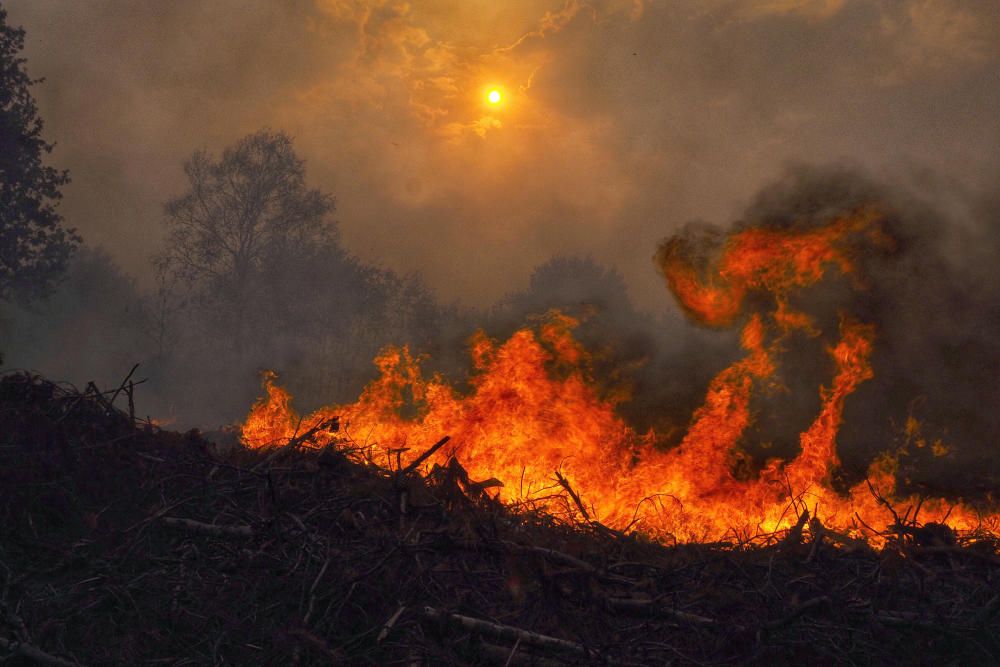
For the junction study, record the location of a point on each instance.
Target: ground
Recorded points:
(125, 544)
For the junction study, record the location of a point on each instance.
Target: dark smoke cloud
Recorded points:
(932, 294)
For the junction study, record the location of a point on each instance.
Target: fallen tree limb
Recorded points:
(208, 528)
(509, 633)
(653, 608)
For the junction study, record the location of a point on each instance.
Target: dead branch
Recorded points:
(122, 385)
(212, 529)
(794, 535)
(653, 608)
(509, 633)
(564, 483)
(293, 444)
(426, 455)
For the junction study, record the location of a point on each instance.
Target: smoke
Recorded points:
(624, 119)
(926, 278)
(92, 328)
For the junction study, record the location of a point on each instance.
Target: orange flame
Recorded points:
(533, 410)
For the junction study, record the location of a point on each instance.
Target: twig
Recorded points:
(131, 402)
(885, 503)
(818, 533)
(564, 483)
(122, 385)
(295, 442)
(387, 627)
(312, 589)
(513, 652)
(100, 397)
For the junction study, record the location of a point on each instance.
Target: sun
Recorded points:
(494, 96)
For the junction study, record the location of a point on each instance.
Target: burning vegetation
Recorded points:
(537, 425)
(550, 507)
(124, 544)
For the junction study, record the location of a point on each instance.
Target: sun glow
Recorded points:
(494, 96)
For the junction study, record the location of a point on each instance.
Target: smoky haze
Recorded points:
(622, 121)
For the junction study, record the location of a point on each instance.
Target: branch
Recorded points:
(509, 633)
(564, 483)
(293, 444)
(426, 455)
(209, 528)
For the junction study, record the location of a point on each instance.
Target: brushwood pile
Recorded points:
(125, 544)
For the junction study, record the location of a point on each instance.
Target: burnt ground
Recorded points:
(123, 544)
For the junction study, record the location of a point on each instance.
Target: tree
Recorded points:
(35, 247)
(242, 213)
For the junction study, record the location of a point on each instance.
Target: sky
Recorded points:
(620, 120)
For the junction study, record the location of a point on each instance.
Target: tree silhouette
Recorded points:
(243, 213)
(35, 247)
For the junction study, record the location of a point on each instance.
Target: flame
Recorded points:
(535, 419)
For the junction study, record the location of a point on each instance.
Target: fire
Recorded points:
(535, 418)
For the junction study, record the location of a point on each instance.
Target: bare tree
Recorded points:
(241, 211)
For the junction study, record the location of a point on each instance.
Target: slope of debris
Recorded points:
(123, 544)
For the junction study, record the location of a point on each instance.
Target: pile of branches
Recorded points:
(124, 544)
